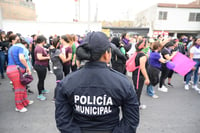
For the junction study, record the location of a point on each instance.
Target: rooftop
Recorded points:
(195, 4)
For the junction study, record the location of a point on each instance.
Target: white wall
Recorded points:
(1, 18)
(49, 28)
(177, 19)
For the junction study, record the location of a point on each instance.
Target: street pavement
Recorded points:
(177, 111)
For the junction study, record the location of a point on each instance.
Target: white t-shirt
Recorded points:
(196, 52)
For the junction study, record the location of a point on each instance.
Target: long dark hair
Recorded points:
(55, 42)
(140, 45)
(194, 41)
(41, 39)
(12, 37)
(124, 35)
(1, 38)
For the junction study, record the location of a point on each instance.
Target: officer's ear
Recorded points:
(107, 55)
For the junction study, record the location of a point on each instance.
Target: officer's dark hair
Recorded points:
(84, 52)
(41, 39)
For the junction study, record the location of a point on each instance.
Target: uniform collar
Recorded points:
(96, 64)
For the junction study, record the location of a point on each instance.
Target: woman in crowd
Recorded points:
(73, 61)
(154, 67)
(57, 58)
(41, 64)
(125, 41)
(118, 60)
(32, 49)
(27, 58)
(3, 52)
(16, 58)
(167, 55)
(195, 56)
(66, 41)
(142, 78)
(171, 72)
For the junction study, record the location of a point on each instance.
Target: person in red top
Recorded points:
(41, 63)
(67, 50)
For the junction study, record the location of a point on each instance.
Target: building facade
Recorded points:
(171, 19)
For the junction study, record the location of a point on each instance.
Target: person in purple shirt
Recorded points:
(126, 42)
(154, 68)
(41, 64)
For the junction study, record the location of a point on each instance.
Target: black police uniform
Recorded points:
(88, 101)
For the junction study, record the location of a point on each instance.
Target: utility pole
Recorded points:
(77, 11)
(96, 14)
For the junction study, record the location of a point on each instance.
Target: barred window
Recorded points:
(162, 15)
(194, 17)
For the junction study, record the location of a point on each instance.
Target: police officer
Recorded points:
(88, 100)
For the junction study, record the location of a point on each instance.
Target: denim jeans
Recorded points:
(2, 62)
(188, 76)
(150, 90)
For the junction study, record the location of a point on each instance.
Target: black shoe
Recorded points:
(169, 84)
(30, 91)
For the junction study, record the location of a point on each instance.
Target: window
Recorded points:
(162, 15)
(194, 17)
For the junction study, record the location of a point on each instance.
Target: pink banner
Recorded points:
(183, 64)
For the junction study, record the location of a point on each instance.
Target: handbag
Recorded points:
(25, 78)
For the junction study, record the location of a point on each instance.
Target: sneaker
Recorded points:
(30, 102)
(45, 91)
(53, 100)
(30, 91)
(41, 97)
(186, 87)
(142, 107)
(163, 89)
(170, 85)
(195, 87)
(155, 96)
(21, 110)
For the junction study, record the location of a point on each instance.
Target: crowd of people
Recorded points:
(77, 65)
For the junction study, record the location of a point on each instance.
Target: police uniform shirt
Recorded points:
(89, 99)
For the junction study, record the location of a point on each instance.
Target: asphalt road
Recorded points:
(177, 111)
